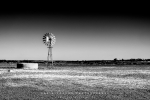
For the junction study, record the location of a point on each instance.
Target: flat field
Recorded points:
(76, 83)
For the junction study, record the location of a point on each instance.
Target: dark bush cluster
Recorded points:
(84, 62)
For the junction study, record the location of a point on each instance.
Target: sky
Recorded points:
(79, 35)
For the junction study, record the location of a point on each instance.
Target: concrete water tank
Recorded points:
(27, 66)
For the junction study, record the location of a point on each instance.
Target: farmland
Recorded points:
(76, 83)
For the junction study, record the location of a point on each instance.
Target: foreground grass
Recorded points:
(76, 84)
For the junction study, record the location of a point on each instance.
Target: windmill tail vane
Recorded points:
(49, 40)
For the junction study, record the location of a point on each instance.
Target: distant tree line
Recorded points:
(85, 62)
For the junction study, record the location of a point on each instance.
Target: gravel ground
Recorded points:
(98, 83)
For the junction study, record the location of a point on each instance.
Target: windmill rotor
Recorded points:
(49, 39)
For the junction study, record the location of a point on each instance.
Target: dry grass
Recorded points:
(105, 83)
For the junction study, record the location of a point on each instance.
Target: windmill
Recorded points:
(49, 40)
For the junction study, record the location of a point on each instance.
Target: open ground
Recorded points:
(76, 83)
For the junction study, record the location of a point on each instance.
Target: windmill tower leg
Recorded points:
(51, 56)
(48, 57)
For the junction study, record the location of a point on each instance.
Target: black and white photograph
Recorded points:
(74, 55)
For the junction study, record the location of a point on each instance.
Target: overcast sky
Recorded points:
(79, 36)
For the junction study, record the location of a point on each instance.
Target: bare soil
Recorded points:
(78, 83)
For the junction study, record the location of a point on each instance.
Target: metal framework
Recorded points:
(49, 40)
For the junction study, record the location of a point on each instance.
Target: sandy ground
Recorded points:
(79, 83)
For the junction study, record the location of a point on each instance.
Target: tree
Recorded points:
(115, 59)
